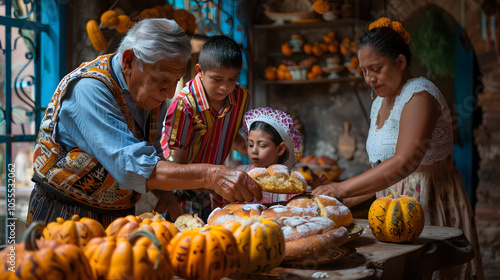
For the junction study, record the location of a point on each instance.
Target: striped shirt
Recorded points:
(192, 124)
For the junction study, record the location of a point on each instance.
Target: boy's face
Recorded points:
(218, 83)
(261, 149)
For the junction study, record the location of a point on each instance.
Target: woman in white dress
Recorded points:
(410, 142)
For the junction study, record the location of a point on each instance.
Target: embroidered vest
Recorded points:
(75, 176)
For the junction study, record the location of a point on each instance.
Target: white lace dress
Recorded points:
(436, 184)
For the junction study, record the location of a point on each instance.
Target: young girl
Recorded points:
(271, 139)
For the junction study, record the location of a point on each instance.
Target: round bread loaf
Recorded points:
(153, 216)
(276, 179)
(279, 211)
(233, 210)
(326, 206)
(188, 221)
(333, 209)
(303, 202)
(258, 172)
(311, 237)
(278, 170)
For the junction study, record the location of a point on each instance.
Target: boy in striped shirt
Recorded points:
(202, 123)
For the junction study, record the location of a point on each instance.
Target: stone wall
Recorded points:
(487, 138)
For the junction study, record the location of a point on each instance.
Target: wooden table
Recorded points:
(436, 248)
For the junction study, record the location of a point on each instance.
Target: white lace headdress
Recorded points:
(283, 124)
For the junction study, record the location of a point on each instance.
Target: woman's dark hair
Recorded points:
(386, 42)
(220, 52)
(275, 136)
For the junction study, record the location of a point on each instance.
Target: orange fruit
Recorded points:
(316, 70)
(307, 48)
(286, 49)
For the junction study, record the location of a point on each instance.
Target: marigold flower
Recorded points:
(394, 25)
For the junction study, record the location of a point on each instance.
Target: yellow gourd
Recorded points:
(209, 253)
(261, 243)
(109, 18)
(95, 36)
(141, 256)
(77, 231)
(396, 218)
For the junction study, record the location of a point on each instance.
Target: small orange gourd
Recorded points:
(95, 36)
(77, 231)
(124, 23)
(209, 253)
(307, 48)
(286, 49)
(109, 18)
(43, 259)
(396, 218)
(321, 6)
(141, 256)
(261, 243)
(163, 230)
(123, 226)
(270, 73)
(150, 13)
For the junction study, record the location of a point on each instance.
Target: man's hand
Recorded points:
(232, 184)
(167, 202)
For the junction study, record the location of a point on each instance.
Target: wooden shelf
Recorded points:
(320, 24)
(310, 82)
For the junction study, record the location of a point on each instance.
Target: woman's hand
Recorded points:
(233, 184)
(330, 190)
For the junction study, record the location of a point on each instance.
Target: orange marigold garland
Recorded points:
(395, 25)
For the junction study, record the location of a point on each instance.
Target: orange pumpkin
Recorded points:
(396, 218)
(207, 253)
(124, 24)
(286, 49)
(77, 231)
(43, 259)
(321, 6)
(163, 230)
(141, 256)
(123, 226)
(270, 73)
(126, 226)
(109, 18)
(260, 241)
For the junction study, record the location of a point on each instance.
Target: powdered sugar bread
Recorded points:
(279, 211)
(279, 180)
(233, 210)
(258, 172)
(333, 209)
(278, 170)
(325, 206)
(311, 237)
(188, 221)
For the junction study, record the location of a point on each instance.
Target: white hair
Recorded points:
(156, 39)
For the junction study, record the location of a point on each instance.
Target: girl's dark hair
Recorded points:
(220, 52)
(386, 42)
(275, 136)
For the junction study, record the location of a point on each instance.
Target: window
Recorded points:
(32, 48)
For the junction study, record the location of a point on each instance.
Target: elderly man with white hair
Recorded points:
(98, 146)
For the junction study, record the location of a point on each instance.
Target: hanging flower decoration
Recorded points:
(394, 25)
